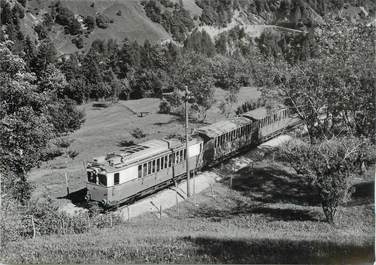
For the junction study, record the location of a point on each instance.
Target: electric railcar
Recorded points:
(141, 169)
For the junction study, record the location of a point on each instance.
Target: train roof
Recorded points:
(138, 152)
(256, 114)
(221, 127)
(262, 112)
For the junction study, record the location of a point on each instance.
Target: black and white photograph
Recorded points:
(187, 131)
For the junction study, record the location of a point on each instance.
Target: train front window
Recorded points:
(102, 179)
(116, 178)
(91, 177)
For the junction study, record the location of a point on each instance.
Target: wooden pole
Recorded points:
(66, 182)
(160, 211)
(110, 219)
(186, 141)
(231, 182)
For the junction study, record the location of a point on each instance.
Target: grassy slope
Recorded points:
(133, 22)
(251, 223)
(102, 132)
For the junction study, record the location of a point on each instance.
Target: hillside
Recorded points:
(129, 20)
(138, 20)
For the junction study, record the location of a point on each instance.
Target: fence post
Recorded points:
(231, 181)
(129, 216)
(211, 190)
(110, 219)
(160, 211)
(66, 182)
(177, 202)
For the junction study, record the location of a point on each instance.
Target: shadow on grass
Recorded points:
(273, 185)
(280, 214)
(271, 251)
(363, 194)
(77, 197)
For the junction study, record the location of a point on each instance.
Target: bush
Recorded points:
(164, 107)
(63, 142)
(138, 133)
(250, 105)
(126, 143)
(89, 21)
(102, 21)
(50, 153)
(79, 42)
(72, 153)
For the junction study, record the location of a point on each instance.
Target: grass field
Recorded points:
(266, 217)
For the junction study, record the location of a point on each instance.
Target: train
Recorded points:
(141, 169)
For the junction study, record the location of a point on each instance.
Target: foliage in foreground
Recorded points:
(42, 217)
(329, 167)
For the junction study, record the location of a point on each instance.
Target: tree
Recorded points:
(46, 55)
(331, 100)
(24, 126)
(193, 71)
(328, 167)
(30, 115)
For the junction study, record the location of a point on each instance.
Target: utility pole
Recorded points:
(186, 141)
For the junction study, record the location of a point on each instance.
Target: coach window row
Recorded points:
(155, 166)
(230, 136)
(273, 118)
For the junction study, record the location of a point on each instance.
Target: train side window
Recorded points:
(185, 154)
(170, 160)
(166, 162)
(181, 156)
(140, 171)
(145, 170)
(158, 164)
(149, 167)
(176, 157)
(153, 167)
(162, 162)
(116, 178)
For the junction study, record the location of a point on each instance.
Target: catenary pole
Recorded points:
(186, 142)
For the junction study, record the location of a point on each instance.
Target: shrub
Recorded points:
(63, 142)
(250, 105)
(102, 21)
(126, 143)
(138, 133)
(89, 21)
(50, 153)
(164, 107)
(79, 42)
(72, 153)
(118, 13)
